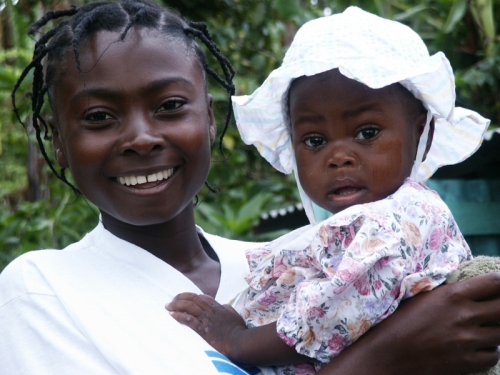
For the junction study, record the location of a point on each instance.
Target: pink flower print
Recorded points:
(382, 263)
(266, 299)
(349, 270)
(304, 369)
(346, 275)
(423, 285)
(373, 244)
(425, 207)
(290, 341)
(288, 277)
(279, 266)
(355, 248)
(362, 286)
(414, 184)
(394, 293)
(377, 284)
(324, 236)
(412, 234)
(316, 312)
(337, 235)
(436, 240)
(451, 230)
(350, 234)
(337, 343)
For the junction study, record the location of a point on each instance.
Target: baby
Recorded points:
(363, 115)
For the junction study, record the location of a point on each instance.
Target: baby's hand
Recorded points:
(219, 325)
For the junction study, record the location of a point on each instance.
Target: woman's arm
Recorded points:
(446, 331)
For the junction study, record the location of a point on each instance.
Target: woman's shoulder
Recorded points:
(22, 276)
(26, 274)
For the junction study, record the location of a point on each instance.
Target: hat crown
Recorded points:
(371, 49)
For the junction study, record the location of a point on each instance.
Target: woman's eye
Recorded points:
(97, 116)
(171, 105)
(367, 133)
(314, 141)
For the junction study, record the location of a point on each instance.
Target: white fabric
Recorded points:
(97, 307)
(374, 51)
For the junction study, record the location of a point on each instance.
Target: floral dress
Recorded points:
(327, 284)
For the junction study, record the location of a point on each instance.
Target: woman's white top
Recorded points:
(98, 307)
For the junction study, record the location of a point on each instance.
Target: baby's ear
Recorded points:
(58, 144)
(430, 137)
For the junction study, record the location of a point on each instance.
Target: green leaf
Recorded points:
(410, 13)
(457, 12)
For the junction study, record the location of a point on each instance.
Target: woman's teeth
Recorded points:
(137, 180)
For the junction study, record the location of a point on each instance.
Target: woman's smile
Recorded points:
(148, 180)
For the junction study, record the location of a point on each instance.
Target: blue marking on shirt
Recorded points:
(225, 366)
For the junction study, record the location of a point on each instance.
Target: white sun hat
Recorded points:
(376, 52)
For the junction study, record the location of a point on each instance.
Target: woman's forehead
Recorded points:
(143, 51)
(136, 66)
(136, 40)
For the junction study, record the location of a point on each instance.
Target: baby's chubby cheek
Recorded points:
(387, 167)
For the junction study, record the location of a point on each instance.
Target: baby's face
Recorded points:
(353, 144)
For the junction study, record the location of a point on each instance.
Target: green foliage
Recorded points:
(233, 221)
(254, 35)
(53, 223)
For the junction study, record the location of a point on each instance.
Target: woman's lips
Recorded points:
(149, 183)
(145, 179)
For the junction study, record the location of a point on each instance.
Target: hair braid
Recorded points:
(50, 15)
(84, 24)
(131, 23)
(46, 135)
(200, 30)
(207, 39)
(35, 64)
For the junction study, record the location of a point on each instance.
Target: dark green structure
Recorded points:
(472, 191)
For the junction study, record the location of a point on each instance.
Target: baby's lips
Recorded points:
(346, 190)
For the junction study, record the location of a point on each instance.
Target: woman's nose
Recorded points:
(141, 136)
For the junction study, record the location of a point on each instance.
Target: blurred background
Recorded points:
(254, 201)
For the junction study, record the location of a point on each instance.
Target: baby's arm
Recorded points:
(223, 328)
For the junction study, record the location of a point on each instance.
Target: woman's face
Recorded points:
(136, 127)
(352, 144)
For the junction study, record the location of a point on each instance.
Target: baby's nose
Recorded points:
(341, 157)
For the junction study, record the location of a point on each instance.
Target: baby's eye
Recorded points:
(367, 133)
(171, 105)
(314, 141)
(97, 116)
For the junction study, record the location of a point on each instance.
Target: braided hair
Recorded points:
(78, 25)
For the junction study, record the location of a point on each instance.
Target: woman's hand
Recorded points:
(449, 330)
